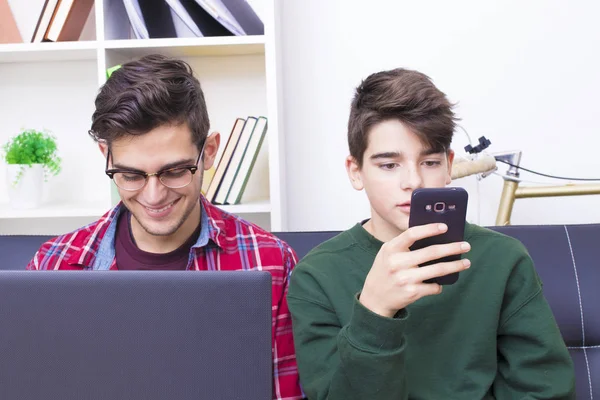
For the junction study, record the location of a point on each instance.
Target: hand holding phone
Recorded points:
(395, 279)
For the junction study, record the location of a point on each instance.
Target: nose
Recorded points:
(154, 192)
(411, 179)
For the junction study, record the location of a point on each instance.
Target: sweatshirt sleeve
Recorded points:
(361, 360)
(533, 360)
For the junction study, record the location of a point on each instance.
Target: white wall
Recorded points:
(525, 75)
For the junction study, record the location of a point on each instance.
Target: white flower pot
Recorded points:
(27, 193)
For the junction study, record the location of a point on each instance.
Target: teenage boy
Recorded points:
(367, 326)
(151, 124)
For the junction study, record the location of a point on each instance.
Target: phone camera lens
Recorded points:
(439, 207)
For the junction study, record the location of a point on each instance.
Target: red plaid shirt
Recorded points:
(233, 244)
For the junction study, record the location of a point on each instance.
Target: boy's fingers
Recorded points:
(440, 269)
(407, 238)
(437, 251)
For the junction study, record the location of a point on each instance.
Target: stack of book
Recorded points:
(227, 184)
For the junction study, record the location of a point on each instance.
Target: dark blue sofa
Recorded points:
(566, 257)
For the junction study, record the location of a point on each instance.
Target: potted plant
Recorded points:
(31, 156)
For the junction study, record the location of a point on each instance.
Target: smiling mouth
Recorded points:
(159, 210)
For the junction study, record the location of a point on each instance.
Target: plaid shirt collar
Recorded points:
(99, 250)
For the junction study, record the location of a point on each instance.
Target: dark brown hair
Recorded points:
(407, 96)
(147, 93)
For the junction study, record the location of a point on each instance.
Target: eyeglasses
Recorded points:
(173, 178)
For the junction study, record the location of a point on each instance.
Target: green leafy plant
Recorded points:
(33, 147)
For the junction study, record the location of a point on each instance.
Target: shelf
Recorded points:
(50, 210)
(176, 47)
(190, 47)
(50, 51)
(97, 210)
(250, 208)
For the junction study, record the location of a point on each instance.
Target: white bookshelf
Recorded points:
(94, 210)
(47, 52)
(62, 209)
(53, 86)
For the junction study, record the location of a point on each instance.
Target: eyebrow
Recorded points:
(397, 154)
(174, 164)
(387, 154)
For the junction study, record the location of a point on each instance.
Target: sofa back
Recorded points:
(565, 256)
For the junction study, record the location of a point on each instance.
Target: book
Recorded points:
(222, 16)
(207, 177)
(248, 160)
(216, 17)
(232, 142)
(203, 20)
(245, 16)
(9, 32)
(183, 15)
(158, 20)
(136, 19)
(235, 161)
(43, 21)
(68, 20)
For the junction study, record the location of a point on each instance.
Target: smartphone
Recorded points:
(434, 205)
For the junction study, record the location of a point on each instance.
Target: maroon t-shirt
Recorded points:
(130, 257)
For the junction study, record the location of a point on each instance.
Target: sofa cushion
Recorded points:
(566, 258)
(16, 251)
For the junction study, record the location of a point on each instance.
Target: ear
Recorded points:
(103, 146)
(353, 170)
(450, 159)
(211, 146)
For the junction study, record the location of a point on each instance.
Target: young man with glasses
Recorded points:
(151, 124)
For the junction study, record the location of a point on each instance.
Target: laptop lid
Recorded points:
(150, 335)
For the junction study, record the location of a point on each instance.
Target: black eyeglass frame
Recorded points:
(111, 173)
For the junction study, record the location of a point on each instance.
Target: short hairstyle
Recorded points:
(147, 93)
(404, 95)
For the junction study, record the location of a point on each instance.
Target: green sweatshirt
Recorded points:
(491, 335)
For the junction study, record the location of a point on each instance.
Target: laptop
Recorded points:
(134, 335)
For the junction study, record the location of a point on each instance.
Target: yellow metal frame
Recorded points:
(511, 191)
